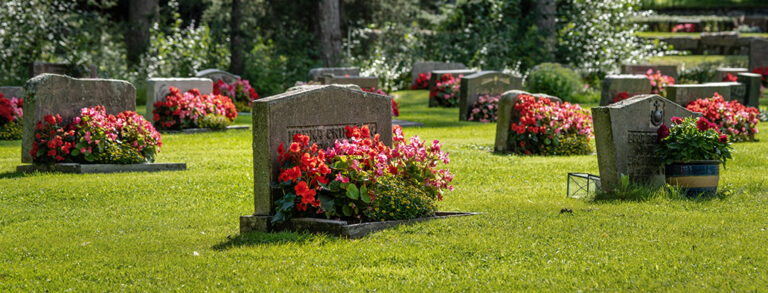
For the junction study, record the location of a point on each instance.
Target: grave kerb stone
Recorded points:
(361, 81)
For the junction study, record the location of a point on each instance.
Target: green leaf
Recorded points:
(353, 192)
(547, 141)
(327, 204)
(364, 194)
(75, 152)
(347, 211)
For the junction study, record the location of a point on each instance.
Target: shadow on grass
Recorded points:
(13, 174)
(259, 238)
(642, 193)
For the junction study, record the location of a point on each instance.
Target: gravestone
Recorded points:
(625, 137)
(752, 83)
(668, 70)
(322, 113)
(507, 116)
(216, 75)
(316, 73)
(614, 84)
(437, 74)
(158, 88)
(758, 53)
(12, 91)
(429, 66)
(361, 81)
(686, 93)
(722, 72)
(719, 42)
(51, 94)
(482, 83)
(38, 68)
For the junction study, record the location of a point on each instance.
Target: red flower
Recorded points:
(295, 147)
(723, 138)
(307, 195)
(621, 96)
(703, 124)
(730, 78)
(677, 120)
(662, 132)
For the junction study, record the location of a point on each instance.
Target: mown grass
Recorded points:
(694, 35)
(179, 230)
(691, 61)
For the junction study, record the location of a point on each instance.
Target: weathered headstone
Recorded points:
(633, 84)
(51, 94)
(751, 82)
(719, 42)
(322, 113)
(361, 81)
(758, 53)
(429, 66)
(686, 93)
(38, 68)
(12, 91)
(668, 70)
(625, 137)
(316, 73)
(216, 75)
(484, 83)
(722, 72)
(437, 74)
(507, 115)
(158, 88)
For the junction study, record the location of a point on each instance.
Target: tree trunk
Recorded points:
(236, 41)
(546, 23)
(330, 31)
(141, 15)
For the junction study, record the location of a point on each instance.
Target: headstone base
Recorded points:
(201, 130)
(406, 123)
(254, 223)
(76, 168)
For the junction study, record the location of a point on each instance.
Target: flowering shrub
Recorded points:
(395, 105)
(422, 82)
(240, 92)
(96, 137)
(732, 118)
(659, 82)
(763, 71)
(700, 139)
(621, 96)
(548, 128)
(10, 117)
(484, 109)
(187, 110)
(685, 28)
(446, 90)
(360, 178)
(730, 78)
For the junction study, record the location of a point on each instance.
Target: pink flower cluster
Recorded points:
(732, 118)
(10, 109)
(686, 28)
(544, 124)
(659, 82)
(179, 111)
(241, 93)
(484, 109)
(446, 90)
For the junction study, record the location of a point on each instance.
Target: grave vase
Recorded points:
(694, 178)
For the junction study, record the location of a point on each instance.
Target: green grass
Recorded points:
(691, 61)
(179, 230)
(695, 35)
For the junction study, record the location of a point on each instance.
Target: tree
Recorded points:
(236, 46)
(141, 16)
(330, 31)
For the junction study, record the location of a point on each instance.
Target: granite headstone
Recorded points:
(633, 84)
(484, 83)
(429, 66)
(686, 93)
(758, 53)
(752, 83)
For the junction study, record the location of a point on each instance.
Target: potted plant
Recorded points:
(692, 150)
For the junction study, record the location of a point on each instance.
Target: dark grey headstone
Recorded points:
(12, 91)
(625, 137)
(668, 70)
(316, 73)
(634, 84)
(51, 94)
(484, 82)
(158, 88)
(507, 115)
(429, 66)
(322, 113)
(751, 82)
(686, 93)
(361, 81)
(216, 75)
(758, 53)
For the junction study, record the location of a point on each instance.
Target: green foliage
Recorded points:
(398, 199)
(214, 121)
(116, 154)
(693, 139)
(10, 131)
(554, 79)
(267, 70)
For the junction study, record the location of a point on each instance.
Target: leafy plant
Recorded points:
(484, 109)
(732, 118)
(692, 139)
(187, 110)
(554, 79)
(545, 127)
(446, 90)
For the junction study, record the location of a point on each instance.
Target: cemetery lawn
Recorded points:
(179, 230)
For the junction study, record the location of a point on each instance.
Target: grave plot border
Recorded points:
(77, 168)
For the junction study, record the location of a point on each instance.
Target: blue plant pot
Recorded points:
(695, 178)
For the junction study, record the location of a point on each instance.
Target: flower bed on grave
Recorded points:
(193, 110)
(446, 91)
(360, 179)
(240, 92)
(484, 109)
(549, 128)
(732, 118)
(422, 82)
(395, 105)
(10, 117)
(95, 137)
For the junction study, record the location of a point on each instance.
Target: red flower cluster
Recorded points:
(10, 110)
(732, 118)
(395, 105)
(730, 78)
(241, 93)
(446, 90)
(303, 167)
(52, 142)
(686, 28)
(179, 111)
(621, 96)
(422, 82)
(546, 127)
(763, 71)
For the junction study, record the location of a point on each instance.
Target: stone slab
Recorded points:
(406, 123)
(12, 91)
(484, 82)
(322, 113)
(723, 71)
(76, 168)
(686, 93)
(668, 70)
(506, 115)
(634, 84)
(343, 229)
(50, 94)
(203, 130)
(361, 81)
(752, 84)
(217, 74)
(625, 138)
(429, 66)
(158, 88)
(315, 73)
(758, 53)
